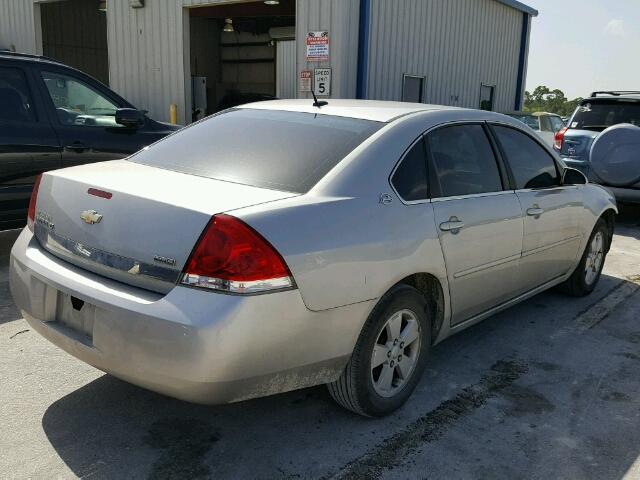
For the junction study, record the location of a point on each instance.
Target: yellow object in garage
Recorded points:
(173, 113)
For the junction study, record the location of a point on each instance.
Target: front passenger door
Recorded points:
(552, 213)
(479, 222)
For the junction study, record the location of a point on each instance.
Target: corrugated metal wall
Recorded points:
(456, 44)
(17, 30)
(340, 18)
(286, 78)
(147, 48)
(147, 57)
(75, 32)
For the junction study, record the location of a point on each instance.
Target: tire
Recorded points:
(581, 282)
(361, 388)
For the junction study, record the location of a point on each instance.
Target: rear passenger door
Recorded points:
(28, 144)
(479, 220)
(552, 213)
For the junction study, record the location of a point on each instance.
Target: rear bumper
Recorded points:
(194, 345)
(625, 195)
(622, 194)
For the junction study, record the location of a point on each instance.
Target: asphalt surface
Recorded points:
(547, 389)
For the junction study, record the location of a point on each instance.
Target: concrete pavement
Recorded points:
(547, 389)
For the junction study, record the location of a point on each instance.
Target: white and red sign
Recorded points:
(318, 46)
(305, 80)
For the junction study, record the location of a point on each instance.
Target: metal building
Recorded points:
(201, 54)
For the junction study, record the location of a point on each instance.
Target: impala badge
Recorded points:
(90, 217)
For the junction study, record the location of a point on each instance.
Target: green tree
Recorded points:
(542, 99)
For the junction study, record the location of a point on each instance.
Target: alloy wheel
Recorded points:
(594, 258)
(395, 353)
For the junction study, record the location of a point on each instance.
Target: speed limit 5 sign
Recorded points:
(322, 81)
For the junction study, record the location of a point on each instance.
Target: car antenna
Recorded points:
(317, 103)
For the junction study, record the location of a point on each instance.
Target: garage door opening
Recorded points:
(241, 53)
(75, 32)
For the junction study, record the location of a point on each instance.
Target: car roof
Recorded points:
(620, 97)
(378, 111)
(532, 114)
(27, 57)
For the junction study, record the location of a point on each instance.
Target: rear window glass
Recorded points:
(603, 114)
(528, 120)
(279, 150)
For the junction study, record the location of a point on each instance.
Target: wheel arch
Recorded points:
(429, 286)
(609, 216)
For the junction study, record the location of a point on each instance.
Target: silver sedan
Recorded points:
(281, 245)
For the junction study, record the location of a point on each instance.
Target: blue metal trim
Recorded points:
(522, 60)
(363, 48)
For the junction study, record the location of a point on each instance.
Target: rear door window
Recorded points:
(280, 150)
(529, 120)
(410, 178)
(556, 123)
(15, 99)
(531, 165)
(464, 161)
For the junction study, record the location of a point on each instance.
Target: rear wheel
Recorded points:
(585, 278)
(389, 357)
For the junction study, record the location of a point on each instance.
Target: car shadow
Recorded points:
(8, 310)
(111, 429)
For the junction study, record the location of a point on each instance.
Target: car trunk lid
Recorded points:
(139, 224)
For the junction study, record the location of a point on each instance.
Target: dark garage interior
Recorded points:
(234, 51)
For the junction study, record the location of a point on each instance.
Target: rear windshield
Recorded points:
(279, 150)
(529, 120)
(603, 114)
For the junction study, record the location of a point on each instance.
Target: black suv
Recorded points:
(54, 116)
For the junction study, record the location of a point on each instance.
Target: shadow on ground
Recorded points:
(484, 394)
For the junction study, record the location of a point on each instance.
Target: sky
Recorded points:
(580, 46)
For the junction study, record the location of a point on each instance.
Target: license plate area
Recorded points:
(76, 314)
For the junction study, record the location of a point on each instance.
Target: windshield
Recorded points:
(599, 115)
(280, 150)
(529, 120)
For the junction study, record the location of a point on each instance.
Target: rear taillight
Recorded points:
(559, 139)
(232, 257)
(31, 213)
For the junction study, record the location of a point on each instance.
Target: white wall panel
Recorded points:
(456, 44)
(17, 29)
(286, 77)
(340, 17)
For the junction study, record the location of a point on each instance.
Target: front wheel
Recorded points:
(585, 278)
(389, 357)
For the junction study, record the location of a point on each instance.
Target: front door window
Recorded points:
(77, 103)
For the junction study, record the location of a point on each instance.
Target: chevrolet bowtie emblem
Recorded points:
(90, 217)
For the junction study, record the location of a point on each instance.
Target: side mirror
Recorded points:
(130, 117)
(571, 176)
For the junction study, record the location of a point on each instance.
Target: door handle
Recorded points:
(535, 211)
(453, 225)
(76, 147)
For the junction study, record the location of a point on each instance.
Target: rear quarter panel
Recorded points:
(342, 245)
(348, 250)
